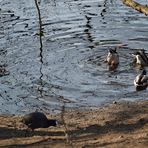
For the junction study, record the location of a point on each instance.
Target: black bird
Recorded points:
(38, 120)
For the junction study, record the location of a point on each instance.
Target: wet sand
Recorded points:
(120, 124)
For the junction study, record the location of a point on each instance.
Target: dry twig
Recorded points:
(65, 126)
(136, 6)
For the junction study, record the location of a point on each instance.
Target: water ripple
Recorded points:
(77, 35)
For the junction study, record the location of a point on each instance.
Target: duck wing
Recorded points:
(144, 79)
(138, 79)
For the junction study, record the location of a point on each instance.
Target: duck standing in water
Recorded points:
(140, 58)
(141, 81)
(112, 59)
(38, 120)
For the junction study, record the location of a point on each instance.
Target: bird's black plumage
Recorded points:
(37, 120)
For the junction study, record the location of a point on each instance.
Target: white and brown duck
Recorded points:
(141, 81)
(140, 58)
(112, 59)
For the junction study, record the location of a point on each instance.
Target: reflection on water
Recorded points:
(70, 66)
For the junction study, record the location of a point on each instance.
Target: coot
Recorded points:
(38, 120)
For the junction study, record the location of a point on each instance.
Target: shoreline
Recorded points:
(120, 124)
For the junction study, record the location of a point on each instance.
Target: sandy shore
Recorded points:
(121, 124)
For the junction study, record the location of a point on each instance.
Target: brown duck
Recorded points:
(141, 81)
(112, 59)
(140, 58)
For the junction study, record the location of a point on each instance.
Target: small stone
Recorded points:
(121, 136)
(84, 128)
(142, 120)
(114, 102)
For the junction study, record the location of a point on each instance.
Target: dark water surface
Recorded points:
(70, 68)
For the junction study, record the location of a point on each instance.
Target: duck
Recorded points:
(112, 59)
(140, 58)
(141, 81)
(36, 120)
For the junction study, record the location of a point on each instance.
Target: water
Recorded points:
(70, 67)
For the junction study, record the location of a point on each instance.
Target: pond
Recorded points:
(70, 67)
